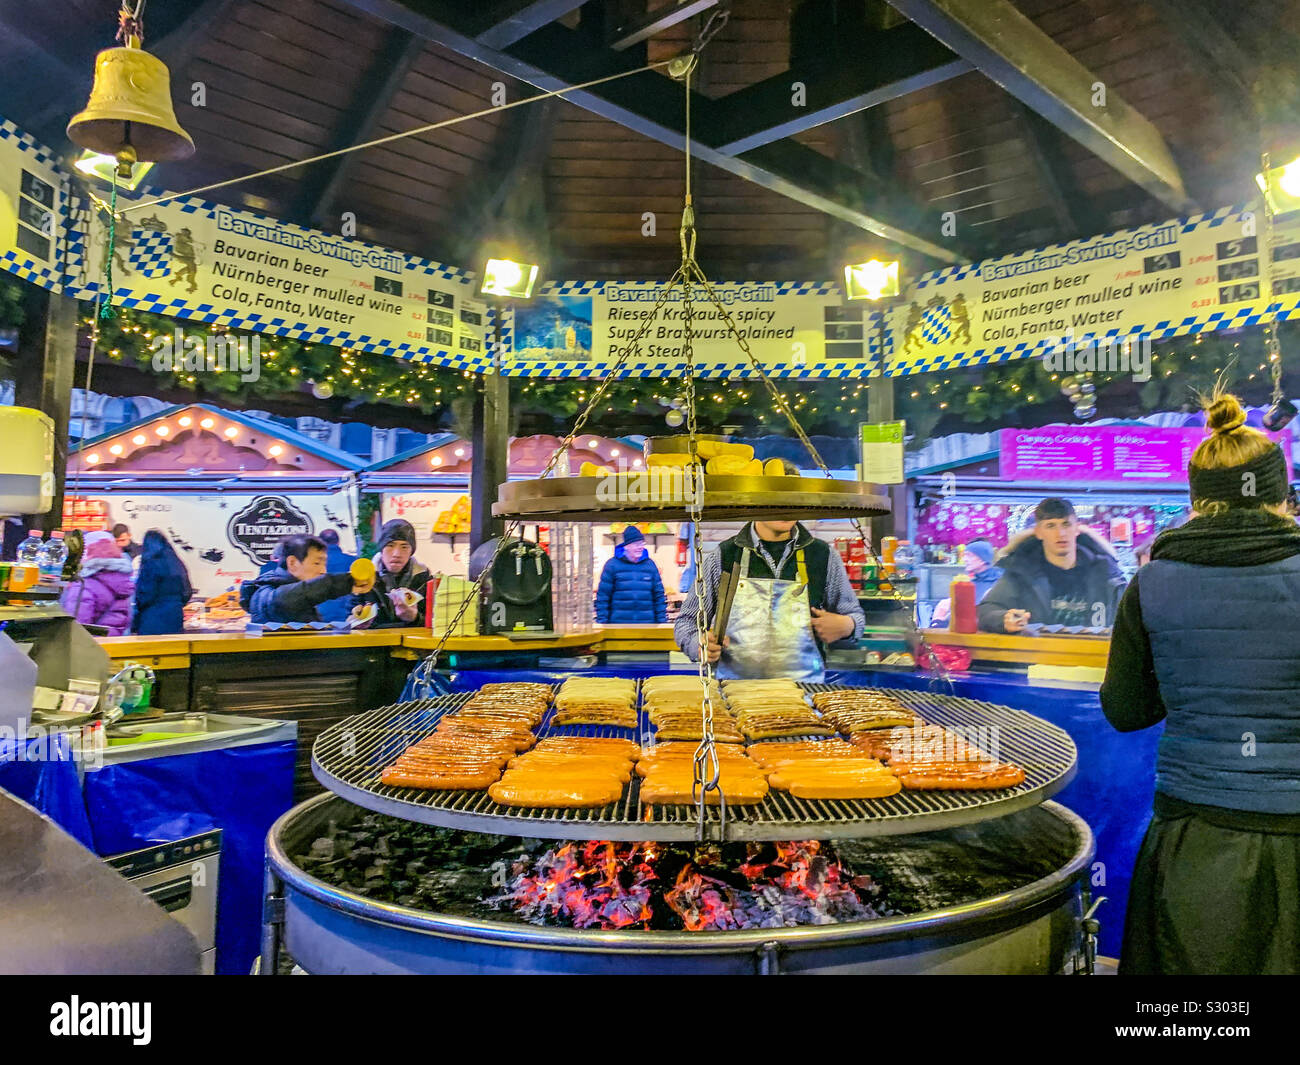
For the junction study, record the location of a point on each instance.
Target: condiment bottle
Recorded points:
(962, 601)
(887, 548)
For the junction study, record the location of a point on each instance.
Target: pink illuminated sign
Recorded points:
(1104, 454)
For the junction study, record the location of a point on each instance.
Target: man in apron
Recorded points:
(794, 599)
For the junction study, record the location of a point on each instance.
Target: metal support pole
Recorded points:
(489, 466)
(272, 923)
(47, 352)
(880, 408)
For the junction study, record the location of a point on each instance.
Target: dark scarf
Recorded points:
(1237, 538)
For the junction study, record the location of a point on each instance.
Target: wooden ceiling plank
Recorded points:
(1025, 61)
(321, 184)
(556, 58)
(902, 60)
(656, 22)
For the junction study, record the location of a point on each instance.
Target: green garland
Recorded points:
(370, 504)
(1180, 369)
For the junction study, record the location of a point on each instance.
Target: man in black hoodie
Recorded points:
(397, 571)
(294, 590)
(1059, 573)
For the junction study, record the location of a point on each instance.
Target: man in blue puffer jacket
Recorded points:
(631, 591)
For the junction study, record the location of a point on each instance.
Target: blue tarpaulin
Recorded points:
(240, 790)
(44, 775)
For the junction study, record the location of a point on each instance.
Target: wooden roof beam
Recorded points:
(319, 185)
(899, 61)
(656, 22)
(1008, 48)
(513, 21)
(653, 105)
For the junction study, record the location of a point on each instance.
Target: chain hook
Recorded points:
(715, 22)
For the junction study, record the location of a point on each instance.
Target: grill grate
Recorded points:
(349, 756)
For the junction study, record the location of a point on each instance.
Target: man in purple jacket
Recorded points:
(101, 594)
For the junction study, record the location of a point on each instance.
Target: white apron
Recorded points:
(770, 629)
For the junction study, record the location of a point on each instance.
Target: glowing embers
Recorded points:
(700, 889)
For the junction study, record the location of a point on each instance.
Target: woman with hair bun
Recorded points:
(1204, 641)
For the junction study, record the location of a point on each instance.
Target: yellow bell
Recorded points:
(129, 115)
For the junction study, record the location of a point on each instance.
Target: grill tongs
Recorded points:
(727, 585)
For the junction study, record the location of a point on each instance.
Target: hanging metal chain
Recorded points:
(130, 22)
(515, 525)
(783, 405)
(1272, 343)
(706, 767)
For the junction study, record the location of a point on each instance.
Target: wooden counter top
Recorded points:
(156, 652)
(423, 640)
(415, 641)
(239, 642)
(174, 652)
(1058, 650)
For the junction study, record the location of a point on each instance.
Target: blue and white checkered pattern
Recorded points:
(151, 252)
(572, 288)
(1212, 219)
(936, 325)
(1285, 308)
(712, 371)
(30, 269)
(15, 261)
(28, 143)
(948, 273)
(507, 331)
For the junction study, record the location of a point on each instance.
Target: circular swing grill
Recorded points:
(349, 757)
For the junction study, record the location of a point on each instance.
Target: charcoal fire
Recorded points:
(705, 889)
(599, 885)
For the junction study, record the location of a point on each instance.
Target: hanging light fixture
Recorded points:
(129, 115)
(872, 280)
(509, 279)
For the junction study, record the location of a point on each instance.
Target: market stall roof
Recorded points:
(201, 442)
(902, 119)
(445, 460)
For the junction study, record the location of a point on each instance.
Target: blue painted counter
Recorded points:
(118, 808)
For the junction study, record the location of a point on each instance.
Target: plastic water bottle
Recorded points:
(29, 551)
(52, 557)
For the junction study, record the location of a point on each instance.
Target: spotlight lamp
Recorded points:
(1281, 186)
(92, 164)
(505, 278)
(872, 280)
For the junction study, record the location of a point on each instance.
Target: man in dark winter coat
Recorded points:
(1058, 573)
(401, 580)
(631, 591)
(294, 590)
